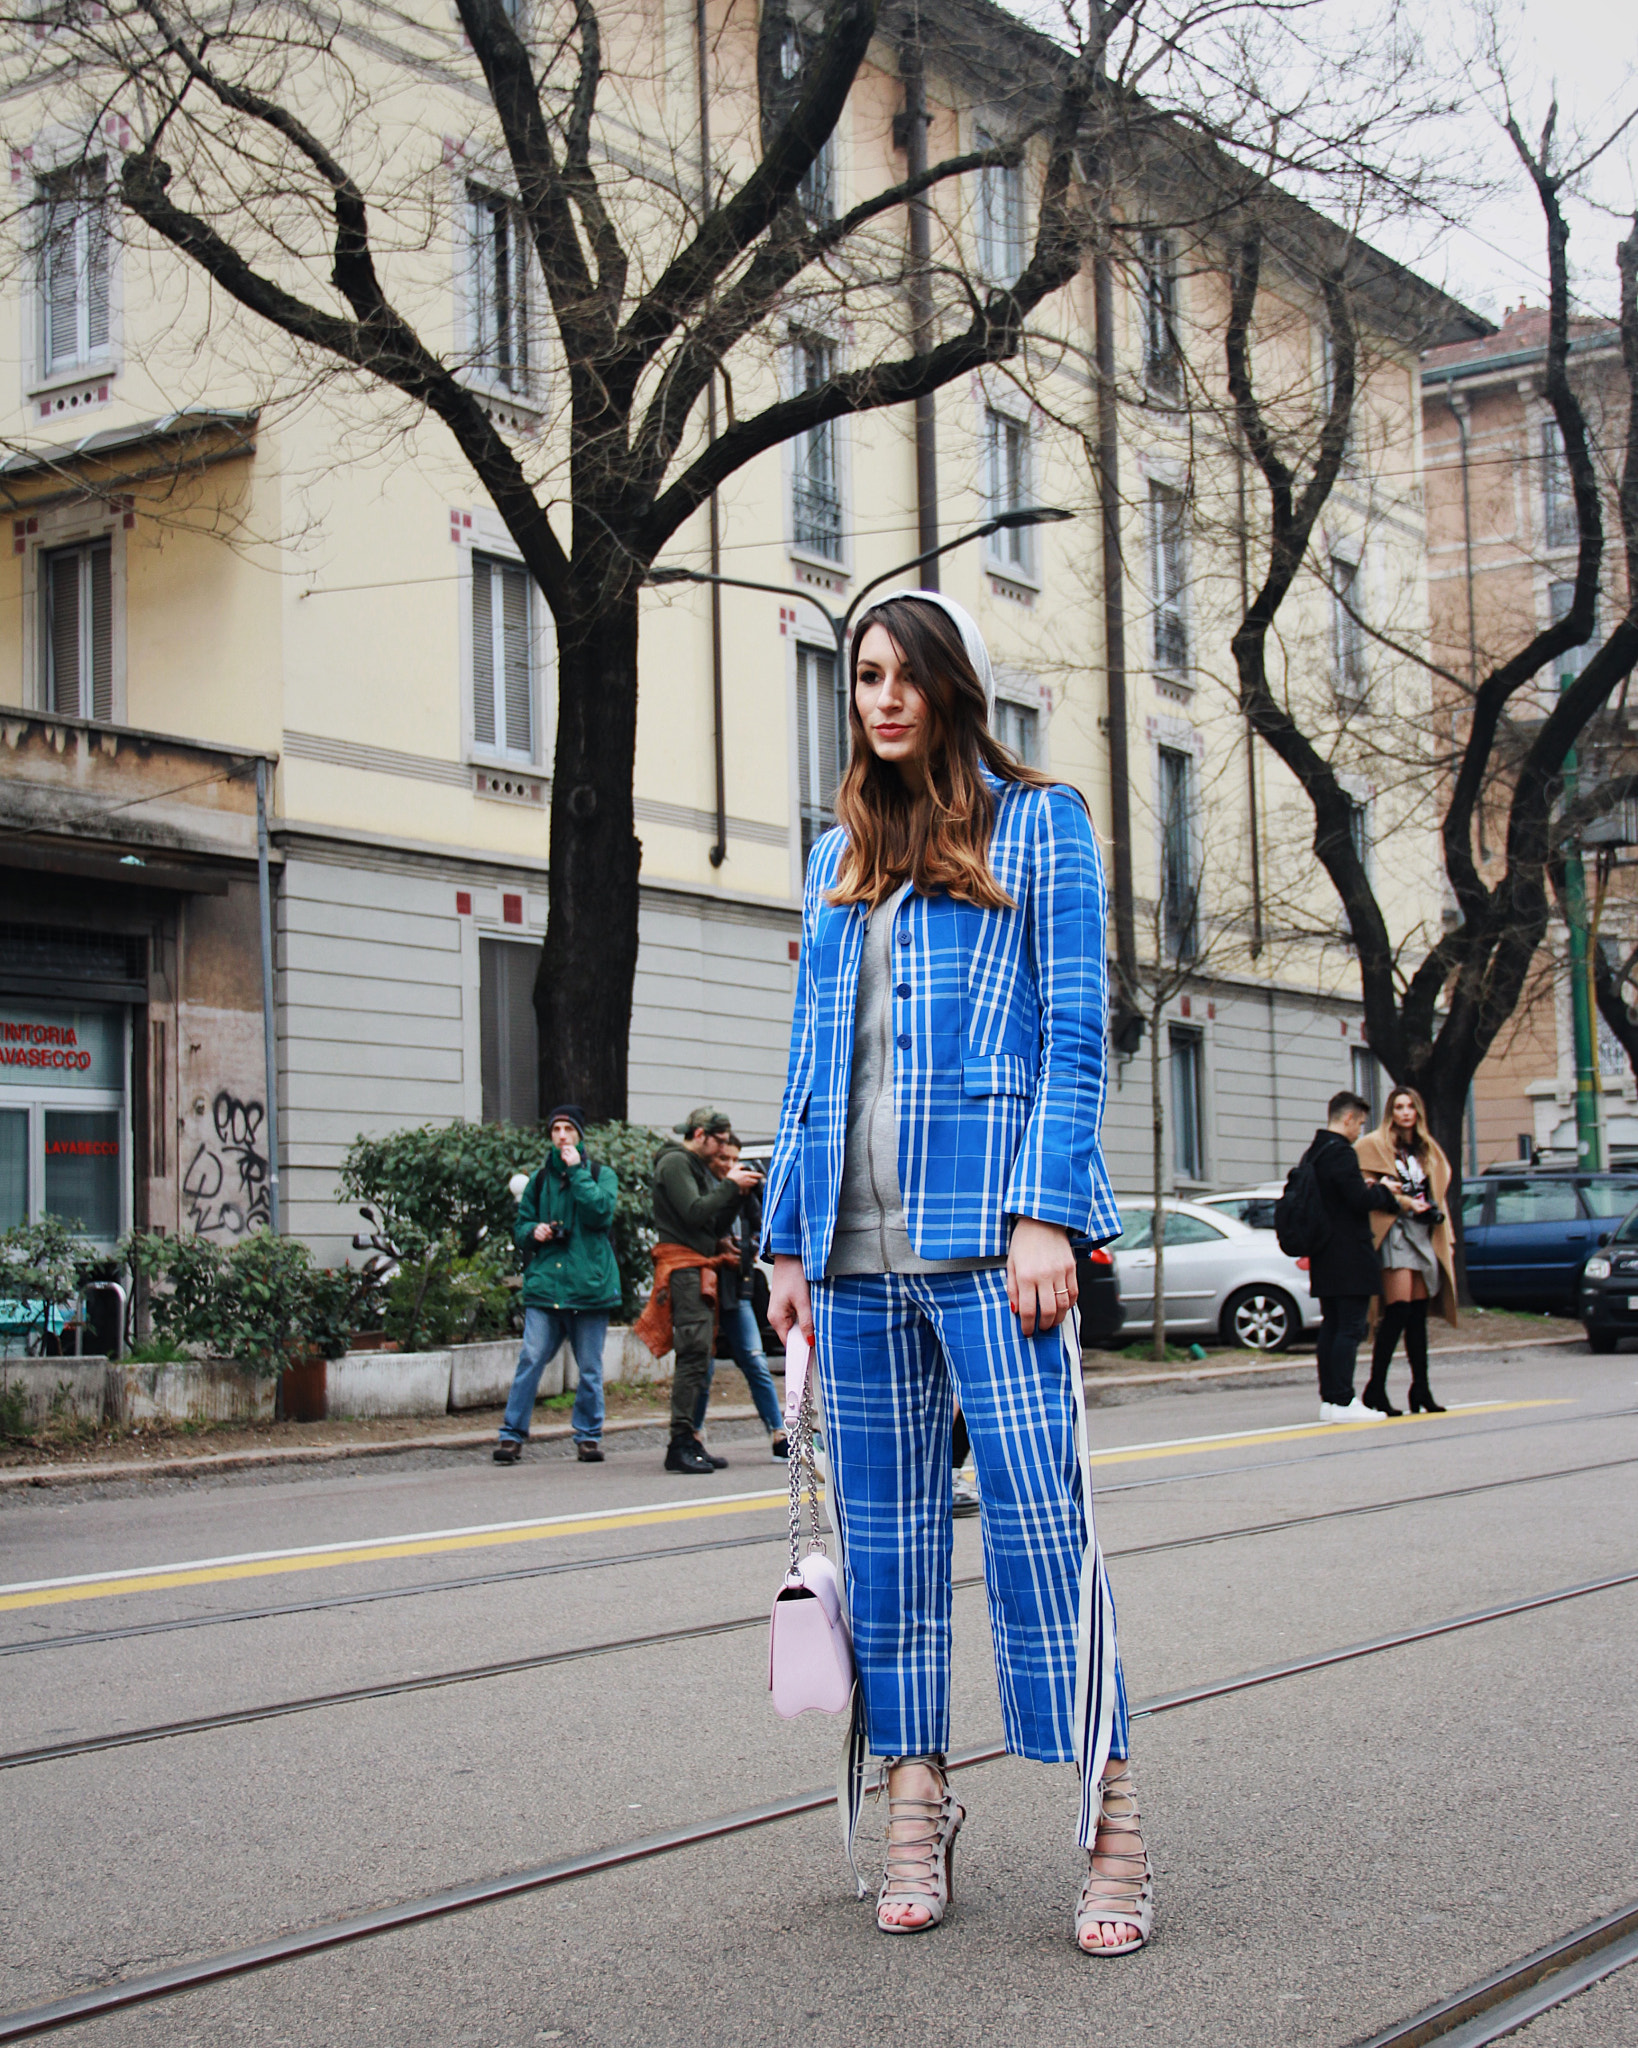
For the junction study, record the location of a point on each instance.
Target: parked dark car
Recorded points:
(1609, 1287)
(1529, 1234)
(1099, 1288)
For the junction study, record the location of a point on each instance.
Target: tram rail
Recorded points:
(343, 1930)
(505, 1667)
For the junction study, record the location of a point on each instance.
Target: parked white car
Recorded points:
(1223, 1279)
(1248, 1205)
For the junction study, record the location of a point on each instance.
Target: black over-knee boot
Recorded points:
(1416, 1350)
(1389, 1327)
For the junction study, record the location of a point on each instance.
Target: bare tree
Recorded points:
(1432, 1019)
(249, 135)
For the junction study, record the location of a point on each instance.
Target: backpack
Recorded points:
(1301, 1224)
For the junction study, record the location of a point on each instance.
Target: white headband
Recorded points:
(967, 626)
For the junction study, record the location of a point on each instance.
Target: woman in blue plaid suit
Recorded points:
(938, 1150)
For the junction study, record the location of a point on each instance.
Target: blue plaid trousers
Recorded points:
(893, 1351)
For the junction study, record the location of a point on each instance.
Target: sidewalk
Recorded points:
(165, 1457)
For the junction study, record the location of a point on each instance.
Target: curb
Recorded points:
(1304, 1364)
(318, 1454)
(558, 1432)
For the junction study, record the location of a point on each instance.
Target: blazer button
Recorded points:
(904, 1040)
(902, 990)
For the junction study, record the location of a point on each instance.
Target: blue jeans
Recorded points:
(745, 1342)
(544, 1333)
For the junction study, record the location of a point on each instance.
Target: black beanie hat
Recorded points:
(568, 1112)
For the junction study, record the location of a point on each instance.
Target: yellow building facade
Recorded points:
(227, 554)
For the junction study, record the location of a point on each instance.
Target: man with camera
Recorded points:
(571, 1284)
(693, 1211)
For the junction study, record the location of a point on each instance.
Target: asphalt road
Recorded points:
(1333, 1851)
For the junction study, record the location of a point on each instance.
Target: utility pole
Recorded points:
(1589, 1148)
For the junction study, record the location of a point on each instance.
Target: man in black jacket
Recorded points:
(1344, 1271)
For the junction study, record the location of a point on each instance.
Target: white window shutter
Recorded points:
(520, 732)
(94, 216)
(63, 632)
(99, 565)
(483, 655)
(61, 285)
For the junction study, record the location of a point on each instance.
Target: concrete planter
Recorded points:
(375, 1383)
(56, 1389)
(211, 1390)
(481, 1376)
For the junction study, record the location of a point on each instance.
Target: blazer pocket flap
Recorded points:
(1000, 1073)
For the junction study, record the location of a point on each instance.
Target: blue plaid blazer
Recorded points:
(999, 1064)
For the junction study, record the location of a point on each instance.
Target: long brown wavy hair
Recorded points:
(1421, 1141)
(940, 839)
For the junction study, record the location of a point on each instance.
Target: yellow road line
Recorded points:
(1131, 1453)
(211, 1572)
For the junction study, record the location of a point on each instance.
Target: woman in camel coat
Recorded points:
(1417, 1254)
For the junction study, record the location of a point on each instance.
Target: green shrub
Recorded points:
(255, 1302)
(44, 1264)
(450, 1184)
(447, 1299)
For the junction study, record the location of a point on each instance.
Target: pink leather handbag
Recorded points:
(810, 1652)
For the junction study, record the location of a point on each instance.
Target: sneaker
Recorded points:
(589, 1454)
(508, 1451)
(779, 1448)
(687, 1454)
(964, 1495)
(1354, 1411)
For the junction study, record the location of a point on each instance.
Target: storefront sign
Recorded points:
(52, 1045)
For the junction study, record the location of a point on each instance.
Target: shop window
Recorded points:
(13, 1167)
(77, 630)
(821, 740)
(503, 675)
(73, 206)
(509, 1035)
(83, 1169)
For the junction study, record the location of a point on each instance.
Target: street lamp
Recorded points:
(1031, 515)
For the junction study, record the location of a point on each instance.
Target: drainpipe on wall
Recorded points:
(1114, 621)
(264, 897)
(719, 851)
(916, 120)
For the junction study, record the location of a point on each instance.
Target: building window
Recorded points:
(77, 630)
(498, 247)
(816, 193)
(1162, 365)
(509, 1039)
(1560, 526)
(1367, 1080)
(1188, 1100)
(503, 677)
(73, 267)
(1347, 634)
(816, 493)
(1003, 247)
(1007, 489)
(1179, 884)
(1560, 600)
(1166, 570)
(821, 740)
(1018, 728)
(1359, 829)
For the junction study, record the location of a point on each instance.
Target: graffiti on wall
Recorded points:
(225, 1186)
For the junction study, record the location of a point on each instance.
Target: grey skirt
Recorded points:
(1408, 1247)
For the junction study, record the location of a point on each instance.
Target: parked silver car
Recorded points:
(1248, 1205)
(1223, 1279)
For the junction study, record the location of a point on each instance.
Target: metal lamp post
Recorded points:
(1033, 515)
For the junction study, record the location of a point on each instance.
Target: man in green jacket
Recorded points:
(693, 1210)
(571, 1284)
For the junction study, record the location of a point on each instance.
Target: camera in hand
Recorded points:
(556, 1233)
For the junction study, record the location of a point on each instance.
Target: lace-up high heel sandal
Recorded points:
(1124, 1897)
(921, 1835)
